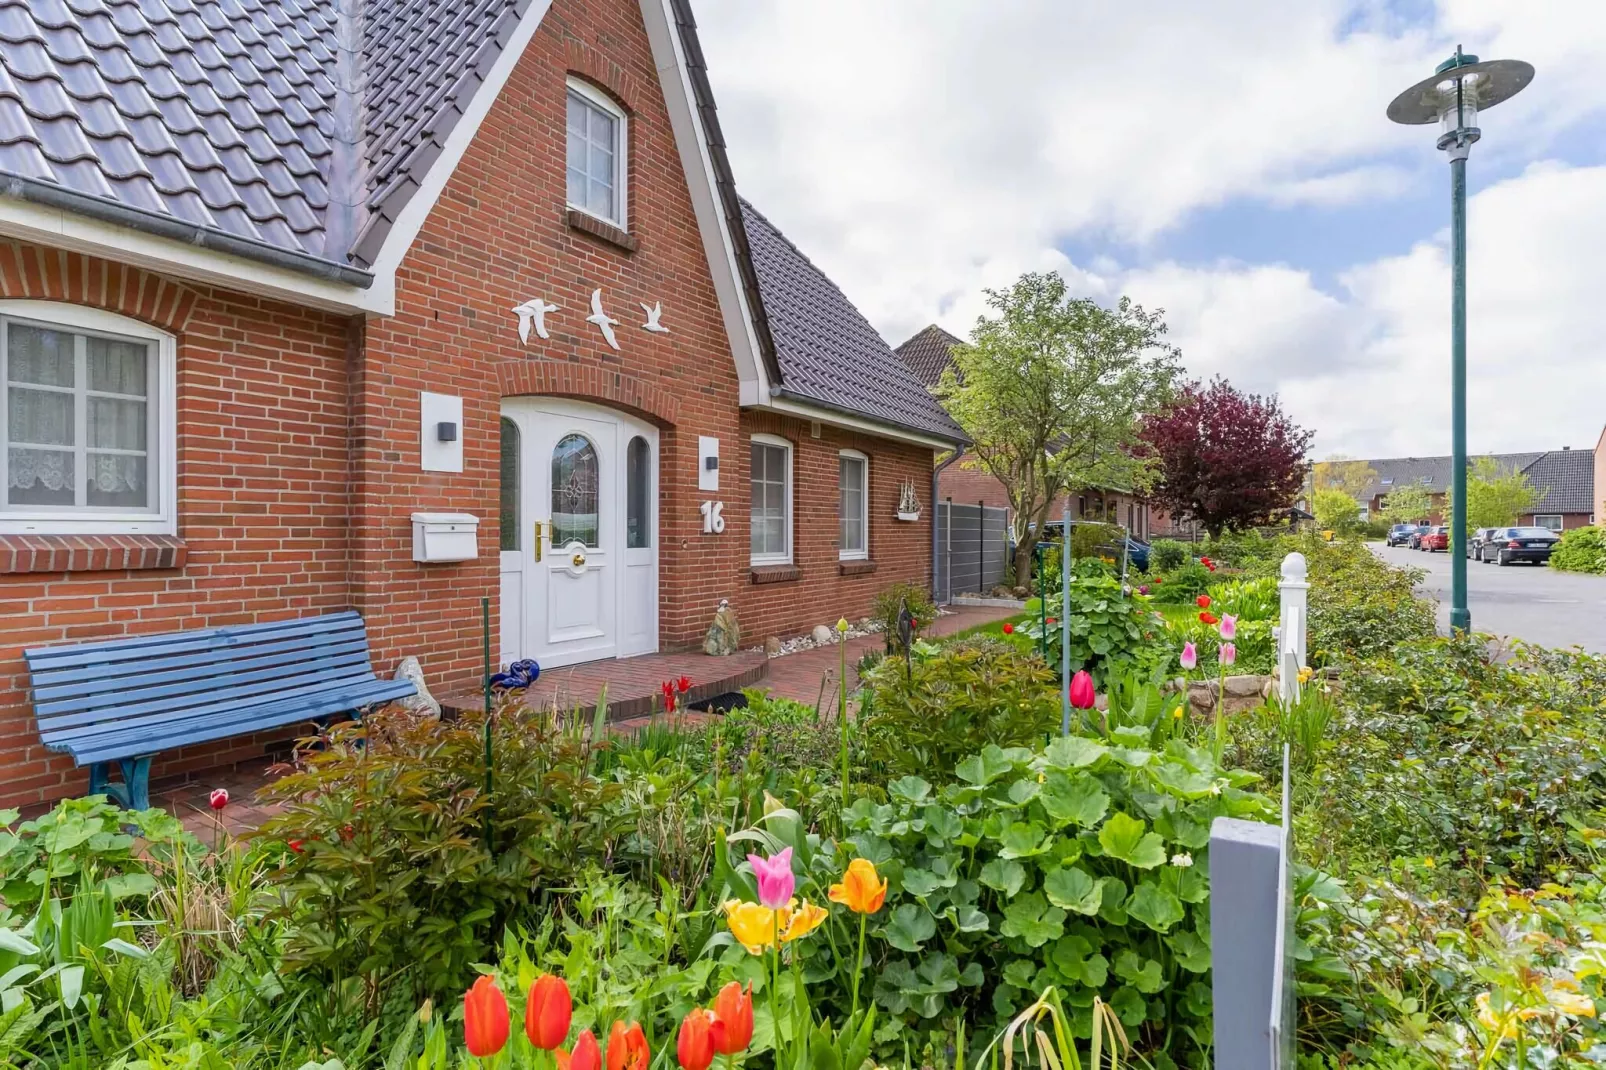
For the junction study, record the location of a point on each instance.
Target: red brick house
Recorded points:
(1564, 478)
(278, 277)
(927, 354)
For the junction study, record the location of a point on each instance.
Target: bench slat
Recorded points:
(50, 685)
(250, 719)
(144, 646)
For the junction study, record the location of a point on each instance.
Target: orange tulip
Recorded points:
(733, 1019)
(547, 1012)
(694, 1047)
(586, 1054)
(485, 1019)
(627, 1048)
(861, 891)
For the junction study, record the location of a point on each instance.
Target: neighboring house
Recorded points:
(928, 354)
(1566, 478)
(276, 276)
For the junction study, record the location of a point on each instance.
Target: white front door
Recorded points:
(579, 533)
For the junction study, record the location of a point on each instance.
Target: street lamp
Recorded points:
(1458, 90)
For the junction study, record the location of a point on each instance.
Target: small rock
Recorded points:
(821, 635)
(772, 645)
(1243, 686)
(423, 702)
(724, 635)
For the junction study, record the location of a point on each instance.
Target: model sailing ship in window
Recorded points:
(908, 502)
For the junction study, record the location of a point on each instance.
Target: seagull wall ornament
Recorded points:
(602, 319)
(653, 311)
(533, 314)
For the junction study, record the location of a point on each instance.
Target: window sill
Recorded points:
(776, 573)
(587, 223)
(855, 567)
(90, 553)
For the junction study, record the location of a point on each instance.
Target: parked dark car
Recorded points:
(1400, 534)
(1506, 545)
(1434, 539)
(1415, 537)
(1476, 540)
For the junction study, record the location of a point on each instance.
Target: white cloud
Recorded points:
(921, 150)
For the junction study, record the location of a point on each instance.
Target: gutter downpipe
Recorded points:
(163, 226)
(935, 474)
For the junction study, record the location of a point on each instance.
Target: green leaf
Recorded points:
(984, 768)
(942, 825)
(1005, 875)
(1080, 802)
(1181, 781)
(1192, 884)
(1142, 974)
(1033, 920)
(1131, 756)
(968, 919)
(1073, 752)
(1023, 839)
(1128, 1006)
(1073, 957)
(1191, 951)
(910, 789)
(1154, 906)
(1020, 972)
(123, 947)
(1123, 837)
(71, 980)
(1023, 791)
(921, 882)
(909, 927)
(1074, 889)
(13, 941)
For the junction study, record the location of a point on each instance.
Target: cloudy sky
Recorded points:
(1227, 161)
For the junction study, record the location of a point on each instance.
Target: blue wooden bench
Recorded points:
(125, 700)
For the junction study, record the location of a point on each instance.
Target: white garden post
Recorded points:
(1294, 595)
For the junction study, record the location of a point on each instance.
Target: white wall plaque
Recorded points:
(707, 462)
(436, 451)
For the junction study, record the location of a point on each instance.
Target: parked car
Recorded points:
(1476, 541)
(1506, 545)
(1400, 534)
(1416, 535)
(1434, 539)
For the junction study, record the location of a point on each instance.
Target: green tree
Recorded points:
(1407, 503)
(1352, 477)
(1496, 495)
(1334, 509)
(1051, 389)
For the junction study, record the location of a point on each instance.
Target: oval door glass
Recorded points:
(574, 492)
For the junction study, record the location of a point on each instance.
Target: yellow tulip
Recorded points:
(1574, 1003)
(861, 891)
(753, 924)
(799, 921)
(1492, 1021)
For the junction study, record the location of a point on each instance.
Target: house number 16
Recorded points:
(713, 517)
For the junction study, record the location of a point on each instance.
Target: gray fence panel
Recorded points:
(972, 549)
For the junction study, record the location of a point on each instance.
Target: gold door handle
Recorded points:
(578, 560)
(538, 527)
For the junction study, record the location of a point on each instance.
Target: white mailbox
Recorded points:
(445, 536)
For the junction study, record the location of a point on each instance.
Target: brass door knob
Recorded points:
(578, 560)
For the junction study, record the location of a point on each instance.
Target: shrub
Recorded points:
(1166, 554)
(1581, 550)
(1360, 606)
(944, 704)
(1182, 584)
(1110, 632)
(81, 840)
(1247, 600)
(891, 601)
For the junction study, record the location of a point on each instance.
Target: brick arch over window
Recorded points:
(605, 386)
(593, 66)
(31, 271)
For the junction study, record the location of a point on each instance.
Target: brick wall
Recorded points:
(967, 485)
(262, 495)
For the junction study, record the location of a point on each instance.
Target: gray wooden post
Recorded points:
(1246, 859)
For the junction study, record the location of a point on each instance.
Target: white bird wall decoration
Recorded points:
(532, 313)
(602, 319)
(653, 312)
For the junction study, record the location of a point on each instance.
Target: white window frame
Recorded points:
(784, 558)
(595, 97)
(161, 420)
(843, 553)
(1540, 518)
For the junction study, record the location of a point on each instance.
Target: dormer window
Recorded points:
(597, 149)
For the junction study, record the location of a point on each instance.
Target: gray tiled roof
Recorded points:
(829, 354)
(1566, 476)
(240, 116)
(928, 353)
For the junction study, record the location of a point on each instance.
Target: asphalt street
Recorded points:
(1531, 602)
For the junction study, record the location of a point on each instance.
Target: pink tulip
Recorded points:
(1190, 656)
(1228, 654)
(1081, 690)
(1229, 626)
(775, 880)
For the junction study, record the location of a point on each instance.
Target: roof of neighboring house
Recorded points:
(928, 353)
(247, 118)
(828, 352)
(1567, 477)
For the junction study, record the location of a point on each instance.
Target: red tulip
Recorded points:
(1082, 690)
(1207, 617)
(219, 799)
(733, 1019)
(1009, 629)
(1203, 601)
(627, 1047)
(547, 1012)
(295, 845)
(1051, 620)
(586, 1054)
(694, 1047)
(683, 685)
(485, 1019)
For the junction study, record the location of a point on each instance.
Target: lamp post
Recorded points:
(1458, 90)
